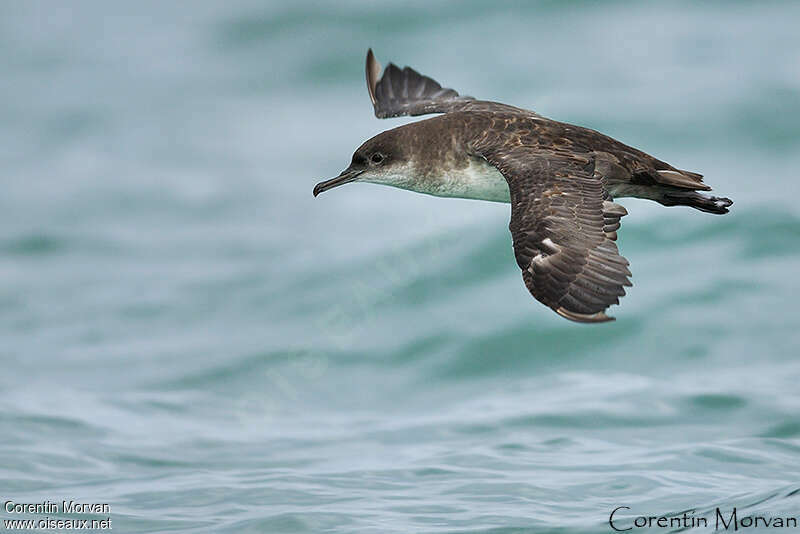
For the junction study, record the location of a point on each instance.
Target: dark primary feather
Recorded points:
(407, 92)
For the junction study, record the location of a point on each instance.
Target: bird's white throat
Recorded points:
(477, 180)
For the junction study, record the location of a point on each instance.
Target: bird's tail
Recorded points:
(698, 201)
(680, 189)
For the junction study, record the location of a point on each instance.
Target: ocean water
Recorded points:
(188, 336)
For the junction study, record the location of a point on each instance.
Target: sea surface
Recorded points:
(188, 336)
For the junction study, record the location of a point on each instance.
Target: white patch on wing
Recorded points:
(552, 247)
(549, 248)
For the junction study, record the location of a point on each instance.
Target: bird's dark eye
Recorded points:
(377, 157)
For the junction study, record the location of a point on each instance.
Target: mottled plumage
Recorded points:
(561, 182)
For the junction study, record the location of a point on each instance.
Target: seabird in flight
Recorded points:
(560, 179)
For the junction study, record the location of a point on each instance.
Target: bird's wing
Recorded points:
(407, 92)
(564, 230)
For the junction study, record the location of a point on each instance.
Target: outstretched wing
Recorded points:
(564, 231)
(407, 92)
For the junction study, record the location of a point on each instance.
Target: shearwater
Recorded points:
(560, 179)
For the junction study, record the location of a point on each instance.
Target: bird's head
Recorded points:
(380, 160)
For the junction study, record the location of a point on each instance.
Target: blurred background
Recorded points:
(191, 337)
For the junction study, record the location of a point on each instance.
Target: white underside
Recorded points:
(479, 180)
(482, 181)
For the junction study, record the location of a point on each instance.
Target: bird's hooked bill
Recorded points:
(347, 175)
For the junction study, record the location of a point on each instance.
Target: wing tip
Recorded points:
(372, 69)
(599, 317)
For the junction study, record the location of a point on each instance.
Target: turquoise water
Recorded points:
(189, 336)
